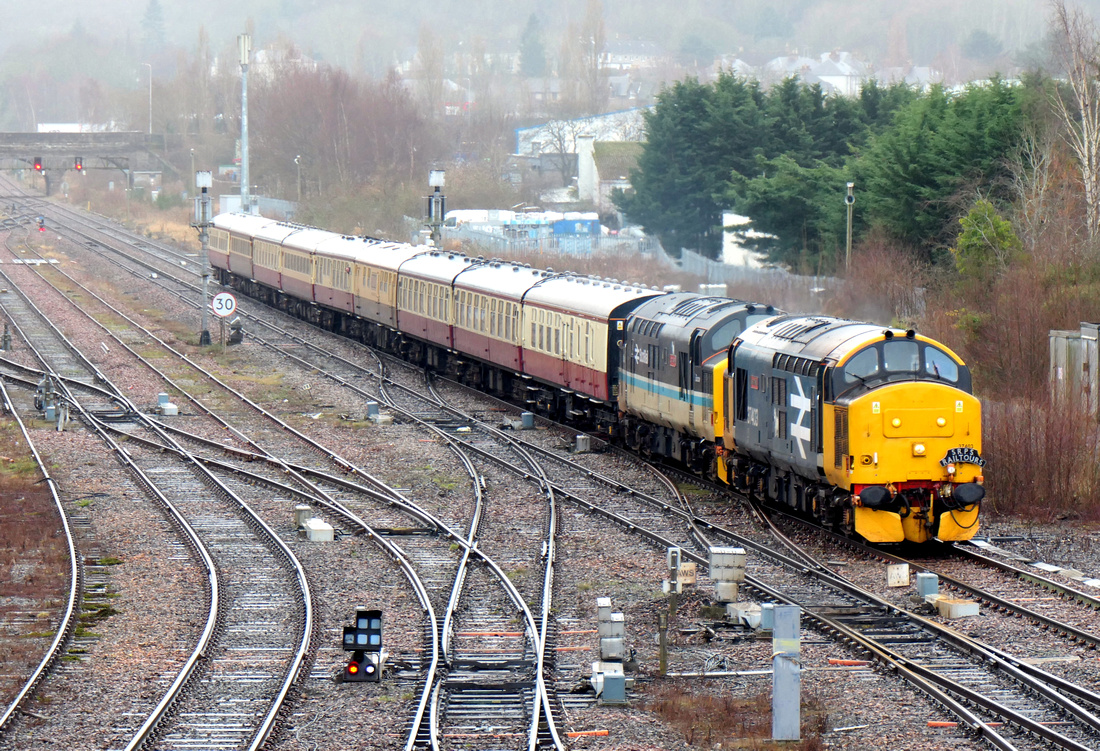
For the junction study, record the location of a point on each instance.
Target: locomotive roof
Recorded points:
(500, 279)
(586, 295)
(817, 337)
(691, 309)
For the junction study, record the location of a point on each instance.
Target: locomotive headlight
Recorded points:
(941, 421)
(896, 422)
(950, 469)
(918, 449)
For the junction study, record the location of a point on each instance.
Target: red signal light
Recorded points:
(353, 667)
(38, 164)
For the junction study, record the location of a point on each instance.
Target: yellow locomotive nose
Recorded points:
(908, 438)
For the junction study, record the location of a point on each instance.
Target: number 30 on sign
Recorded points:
(223, 304)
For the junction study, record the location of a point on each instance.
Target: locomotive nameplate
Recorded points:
(962, 456)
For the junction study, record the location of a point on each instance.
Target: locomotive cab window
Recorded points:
(901, 356)
(862, 366)
(940, 365)
(719, 339)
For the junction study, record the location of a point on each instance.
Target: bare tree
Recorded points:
(592, 44)
(1033, 174)
(583, 77)
(429, 50)
(1078, 49)
(563, 145)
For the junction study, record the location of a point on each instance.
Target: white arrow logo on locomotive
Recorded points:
(802, 403)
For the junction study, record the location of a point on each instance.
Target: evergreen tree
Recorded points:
(532, 55)
(916, 174)
(674, 185)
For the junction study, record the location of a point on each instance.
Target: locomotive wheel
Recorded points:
(847, 521)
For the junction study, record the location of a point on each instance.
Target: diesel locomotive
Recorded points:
(874, 432)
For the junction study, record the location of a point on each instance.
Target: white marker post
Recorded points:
(223, 304)
(786, 678)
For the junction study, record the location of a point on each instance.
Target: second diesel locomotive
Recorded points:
(823, 415)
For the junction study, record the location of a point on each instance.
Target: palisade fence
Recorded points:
(716, 272)
(581, 246)
(710, 272)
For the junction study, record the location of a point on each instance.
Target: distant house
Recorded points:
(603, 167)
(786, 66)
(839, 73)
(622, 55)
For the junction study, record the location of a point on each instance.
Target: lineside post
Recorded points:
(786, 673)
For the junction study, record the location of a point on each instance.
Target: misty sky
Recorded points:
(374, 33)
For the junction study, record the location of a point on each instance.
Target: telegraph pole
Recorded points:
(244, 47)
(204, 180)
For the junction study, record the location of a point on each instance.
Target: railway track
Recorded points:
(70, 611)
(483, 615)
(253, 616)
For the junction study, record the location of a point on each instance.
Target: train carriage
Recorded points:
(573, 328)
(874, 431)
(231, 242)
(334, 273)
(375, 284)
(424, 293)
(267, 250)
(488, 298)
(674, 354)
(296, 262)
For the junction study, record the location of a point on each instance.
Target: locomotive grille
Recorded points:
(840, 448)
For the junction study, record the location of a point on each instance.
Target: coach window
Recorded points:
(493, 318)
(940, 365)
(901, 356)
(862, 366)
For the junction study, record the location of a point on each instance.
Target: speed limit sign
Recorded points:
(223, 304)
